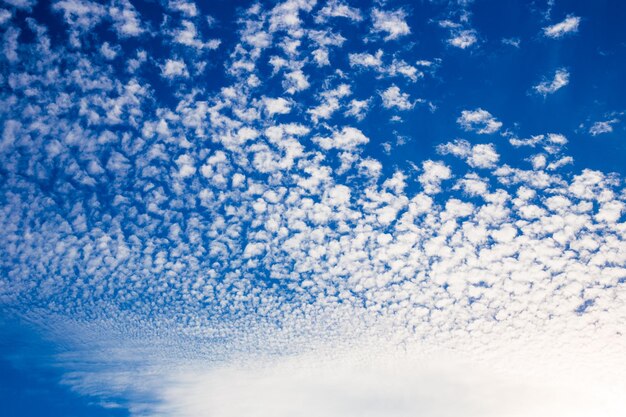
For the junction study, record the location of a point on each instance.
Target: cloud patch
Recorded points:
(559, 30)
(391, 23)
(479, 120)
(550, 86)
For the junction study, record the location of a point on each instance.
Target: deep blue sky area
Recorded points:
(30, 383)
(170, 169)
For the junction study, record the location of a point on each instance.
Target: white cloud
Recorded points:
(109, 52)
(358, 108)
(80, 16)
(186, 166)
(463, 39)
(460, 37)
(21, 4)
(515, 42)
(394, 98)
(433, 173)
(325, 39)
(348, 138)
(402, 68)
(278, 105)
(552, 143)
(532, 141)
(374, 62)
(390, 22)
(557, 138)
(5, 16)
(366, 60)
(330, 102)
(560, 80)
(10, 44)
(558, 30)
(610, 212)
(235, 250)
(125, 18)
(566, 160)
(189, 9)
(479, 120)
(174, 68)
(338, 8)
(599, 128)
(286, 15)
(188, 35)
(133, 64)
(396, 384)
(538, 161)
(477, 156)
(295, 81)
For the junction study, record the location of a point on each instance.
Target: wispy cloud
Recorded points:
(558, 30)
(551, 86)
(599, 128)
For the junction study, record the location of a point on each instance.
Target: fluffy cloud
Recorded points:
(366, 59)
(433, 173)
(278, 105)
(479, 120)
(394, 98)
(188, 36)
(348, 138)
(463, 39)
(374, 62)
(477, 156)
(392, 23)
(174, 68)
(126, 19)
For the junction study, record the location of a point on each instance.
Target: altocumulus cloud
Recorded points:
(235, 247)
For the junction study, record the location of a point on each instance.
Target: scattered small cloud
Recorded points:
(393, 97)
(514, 42)
(174, 68)
(460, 36)
(479, 120)
(477, 156)
(348, 138)
(463, 39)
(606, 126)
(337, 8)
(569, 25)
(560, 80)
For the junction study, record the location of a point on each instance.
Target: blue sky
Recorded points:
(301, 207)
